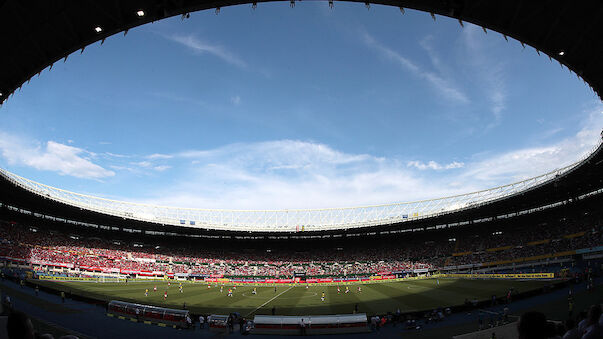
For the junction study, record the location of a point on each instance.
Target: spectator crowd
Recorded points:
(44, 248)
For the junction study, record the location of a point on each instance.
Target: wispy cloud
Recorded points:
(284, 174)
(115, 155)
(235, 100)
(159, 156)
(142, 167)
(489, 72)
(51, 156)
(161, 168)
(528, 162)
(434, 165)
(444, 86)
(201, 46)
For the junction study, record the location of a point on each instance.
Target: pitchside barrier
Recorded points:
(52, 277)
(311, 282)
(266, 283)
(90, 279)
(301, 325)
(95, 279)
(148, 314)
(323, 281)
(499, 276)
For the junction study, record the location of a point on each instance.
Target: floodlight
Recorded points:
(561, 53)
(98, 29)
(140, 13)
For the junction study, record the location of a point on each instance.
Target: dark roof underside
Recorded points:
(36, 34)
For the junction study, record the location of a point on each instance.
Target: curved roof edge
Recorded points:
(291, 220)
(38, 34)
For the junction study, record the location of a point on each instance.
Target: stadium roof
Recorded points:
(577, 181)
(36, 34)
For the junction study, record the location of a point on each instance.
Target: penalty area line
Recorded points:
(264, 304)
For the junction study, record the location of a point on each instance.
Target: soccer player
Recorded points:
(155, 288)
(322, 298)
(169, 283)
(221, 288)
(338, 290)
(347, 289)
(230, 292)
(165, 295)
(254, 291)
(359, 289)
(180, 288)
(208, 286)
(146, 292)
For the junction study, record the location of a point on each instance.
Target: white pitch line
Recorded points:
(276, 296)
(497, 313)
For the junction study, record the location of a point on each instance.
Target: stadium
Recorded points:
(88, 266)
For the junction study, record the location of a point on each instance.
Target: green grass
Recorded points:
(409, 296)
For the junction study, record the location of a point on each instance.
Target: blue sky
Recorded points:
(297, 108)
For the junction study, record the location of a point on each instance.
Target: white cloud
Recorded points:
(301, 174)
(199, 46)
(284, 174)
(434, 165)
(115, 155)
(162, 168)
(159, 156)
(489, 72)
(443, 86)
(147, 165)
(53, 156)
(292, 174)
(304, 174)
(528, 162)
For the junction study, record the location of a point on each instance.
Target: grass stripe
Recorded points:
(266, 303)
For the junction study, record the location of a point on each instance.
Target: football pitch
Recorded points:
(377, 298)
